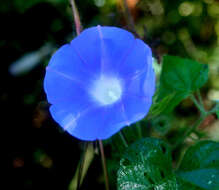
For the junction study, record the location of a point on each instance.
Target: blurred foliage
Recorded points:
(199, 168)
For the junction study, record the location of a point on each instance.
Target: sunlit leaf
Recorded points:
(147, 165)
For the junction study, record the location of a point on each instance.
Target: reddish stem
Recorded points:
(76, 17)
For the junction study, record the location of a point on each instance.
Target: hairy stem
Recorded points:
(214, 109)
(129, 18)
(189, 131)
(77, 21)
(200, 98)
(202, 117)
(199, 106)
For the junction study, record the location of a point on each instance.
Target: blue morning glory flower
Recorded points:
(99, 83)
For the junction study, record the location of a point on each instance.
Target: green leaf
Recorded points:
(217, 113)
(180, 77)
(200, 167)
(187, 186)
(160, 106)
(147, 165)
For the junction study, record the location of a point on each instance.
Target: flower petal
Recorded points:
(116, 119)
(62, 88)
(88, 48)
(136, 61)
(66, 61)
(150, 80)
(80, 123)
(115, 45)
(126, 112)
(136, 107)
(78, 97)
(107, 47)
(142, 86)
(65, 79)
(90, 123)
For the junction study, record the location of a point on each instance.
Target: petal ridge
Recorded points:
(48, 68)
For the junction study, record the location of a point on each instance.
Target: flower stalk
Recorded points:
(77, 21)
(202, 117)
(189, 131)
(199, 106)
(129, 17)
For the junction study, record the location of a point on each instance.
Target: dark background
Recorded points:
(39, 154)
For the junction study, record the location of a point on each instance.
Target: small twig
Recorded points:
(77, 21)
(202, 117)
(129, 18)
(189, 131)
(199, 106)
(104, 165)
(213, 110)
(123, 139)
(200, 98)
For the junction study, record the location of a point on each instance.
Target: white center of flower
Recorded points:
(106, 90)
